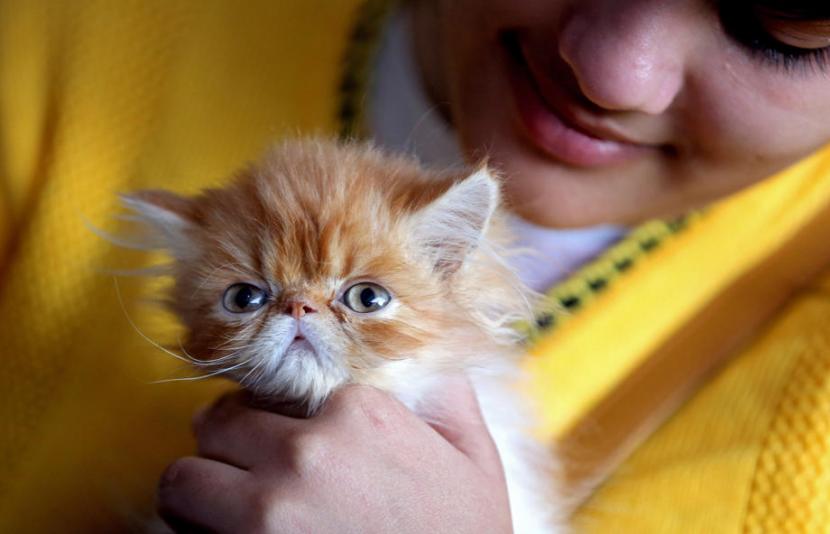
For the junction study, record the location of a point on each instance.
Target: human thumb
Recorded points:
(456, 415)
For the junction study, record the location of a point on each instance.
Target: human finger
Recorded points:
(455, 413)
(199, 493)
(233, 432)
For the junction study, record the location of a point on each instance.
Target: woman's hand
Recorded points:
(363, 464)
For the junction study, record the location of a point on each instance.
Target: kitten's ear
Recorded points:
(451, 226)
(167, 217)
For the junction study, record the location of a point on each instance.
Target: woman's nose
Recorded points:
(629, 55)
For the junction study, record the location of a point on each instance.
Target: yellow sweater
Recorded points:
(101, 97)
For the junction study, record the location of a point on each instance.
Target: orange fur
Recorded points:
(315, 216)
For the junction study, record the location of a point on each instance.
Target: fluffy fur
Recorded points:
(312, 219)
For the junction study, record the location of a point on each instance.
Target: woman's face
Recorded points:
(615, 111)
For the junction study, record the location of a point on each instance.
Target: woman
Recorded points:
(598, 112)
(601, 113)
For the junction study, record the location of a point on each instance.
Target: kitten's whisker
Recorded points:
(230, 356)
(199, 362)
(137, 329)
(244, 338)
(254, 368)
(223, 359)
(226, 346)
(201, 377)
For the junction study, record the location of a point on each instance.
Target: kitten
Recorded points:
(328, 264)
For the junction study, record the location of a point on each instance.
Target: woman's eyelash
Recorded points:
(790, 58)
(741, 24)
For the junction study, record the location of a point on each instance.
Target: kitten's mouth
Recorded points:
(302, 344)
(299, 337)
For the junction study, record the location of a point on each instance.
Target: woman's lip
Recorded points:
(555, 131)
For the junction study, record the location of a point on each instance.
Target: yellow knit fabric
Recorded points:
(100, 97)
(750, 453)
(789, 490)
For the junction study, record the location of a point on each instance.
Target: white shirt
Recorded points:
(401, 118)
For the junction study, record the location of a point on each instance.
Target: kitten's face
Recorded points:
(323, 265)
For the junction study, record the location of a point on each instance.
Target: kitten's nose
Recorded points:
(298, 309)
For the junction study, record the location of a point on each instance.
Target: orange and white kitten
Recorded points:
(326, 264)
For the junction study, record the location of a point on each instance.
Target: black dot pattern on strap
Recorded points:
(597, 284)
(623, 264)
(577, 292)
(545, 320)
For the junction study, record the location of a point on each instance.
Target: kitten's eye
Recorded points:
(366, 297)
(243, 298)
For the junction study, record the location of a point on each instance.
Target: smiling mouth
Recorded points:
(547, 120)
